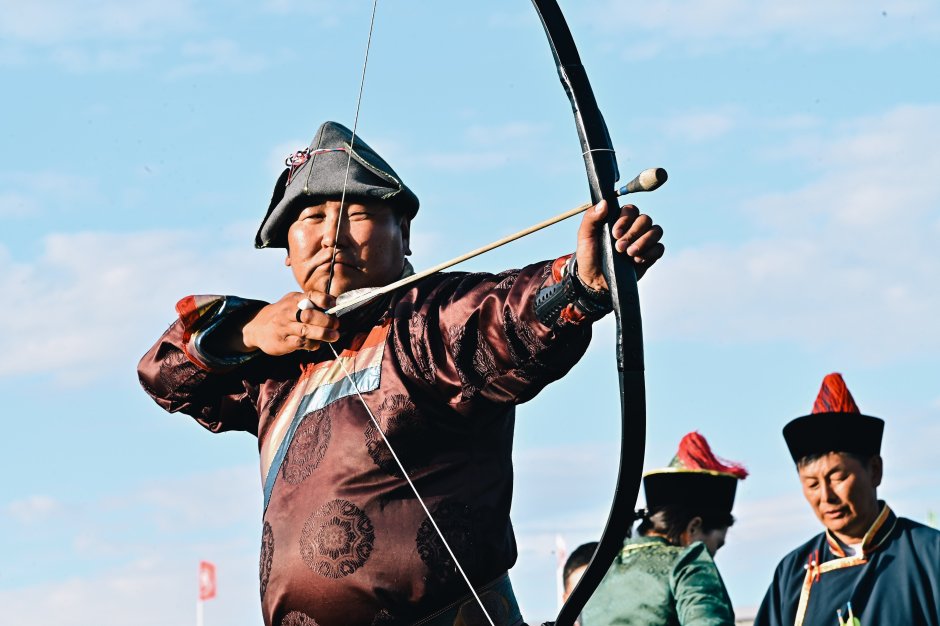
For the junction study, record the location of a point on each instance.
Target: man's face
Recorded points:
(573, 577)
(370, 246)
(842, 491)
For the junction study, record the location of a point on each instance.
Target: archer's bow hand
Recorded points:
(636, 234)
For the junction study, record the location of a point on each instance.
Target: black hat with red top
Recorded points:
(835, 425)
(695, 479)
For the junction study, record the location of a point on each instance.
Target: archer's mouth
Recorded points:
(339, 262)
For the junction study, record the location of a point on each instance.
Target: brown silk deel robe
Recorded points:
(442, 366)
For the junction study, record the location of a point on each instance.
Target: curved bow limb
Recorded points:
(601, 166)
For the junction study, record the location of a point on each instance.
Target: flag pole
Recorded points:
(199, 613)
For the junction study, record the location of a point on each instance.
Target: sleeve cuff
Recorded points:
(203, 314)
(563, 298)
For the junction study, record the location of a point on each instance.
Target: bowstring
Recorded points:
(352, 143)
(346, 373)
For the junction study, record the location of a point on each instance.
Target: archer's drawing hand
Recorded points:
(281, 327)
(637, 237)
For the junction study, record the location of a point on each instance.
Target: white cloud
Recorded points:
(217, 55)
(110, 35)
(503, 134)
(82, 58)
(702, 126)
(29, 193)
(152, 591)
(484, 147)
(469, 161)
(34, 508)
(52, 22)
(133, 556)
(14, 204)
(849, 261)
(93, 302)
(726, 24)
(585, 469)
(325, 9)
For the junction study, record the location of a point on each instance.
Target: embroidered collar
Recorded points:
(876, 536)
(632, 544)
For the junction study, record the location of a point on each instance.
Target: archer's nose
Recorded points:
(335, 232)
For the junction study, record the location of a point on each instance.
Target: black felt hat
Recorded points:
(695, 479)
(318, 173)
(835, 425)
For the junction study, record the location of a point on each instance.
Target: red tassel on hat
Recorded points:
(695, 453)
(834, 396)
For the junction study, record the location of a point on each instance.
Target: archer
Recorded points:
(413, 393)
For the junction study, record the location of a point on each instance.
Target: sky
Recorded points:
(141, 142)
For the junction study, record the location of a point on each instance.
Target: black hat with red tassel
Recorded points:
(696, 479)
(835, 425)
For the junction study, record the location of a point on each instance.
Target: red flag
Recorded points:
(206, 580)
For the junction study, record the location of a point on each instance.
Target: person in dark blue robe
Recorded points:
(870, 567)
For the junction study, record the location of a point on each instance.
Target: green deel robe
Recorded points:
(653, 583)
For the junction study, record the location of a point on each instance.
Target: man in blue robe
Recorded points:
(870, 567)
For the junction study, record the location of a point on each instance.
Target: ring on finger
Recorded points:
(302, 305)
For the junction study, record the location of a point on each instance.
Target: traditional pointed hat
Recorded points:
(694, 479)
(319, 173)
(835, 425)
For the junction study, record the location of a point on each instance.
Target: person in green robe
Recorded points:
(666, 575)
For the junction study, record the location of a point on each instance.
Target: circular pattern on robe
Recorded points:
(267, 557)
(457, 522)
(337, 540)
(400, 419)
(296, 618)
(308, 447)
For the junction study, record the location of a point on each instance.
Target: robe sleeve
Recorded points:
(181, 376)
(701, 597)
(475, 339)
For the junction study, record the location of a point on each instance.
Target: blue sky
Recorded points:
(142, 139)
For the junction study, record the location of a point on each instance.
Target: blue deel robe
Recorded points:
(895, 581)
